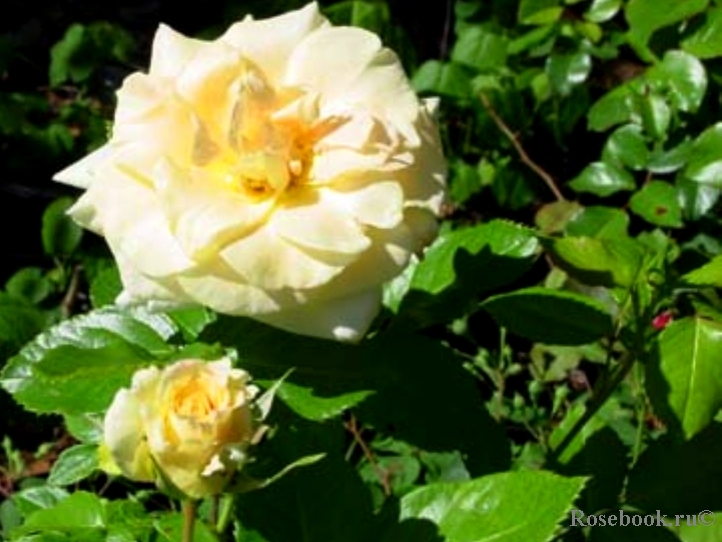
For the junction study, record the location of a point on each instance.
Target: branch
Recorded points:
(352, 427)
(536, 168)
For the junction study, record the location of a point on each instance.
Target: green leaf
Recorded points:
(66, 369)
(684, 381)
(695, 199)
(479, 48)
(539, 11)
(647, 16)
(29, 284)
(615, 107)
(86, 428)
(533, 38)
(170, 529)
(73, 380)
(191, 320)
(464, 181)
(706, 41)
(32, 499)
(374, 377)
(61, 236)
(61, 55)
(446, 282)
(19, 322)
(603, 179)
(705, 157)
(81, 511)
(602, 10)
(554, 217)
(105, 287)
(74, 464)
(598, 221)
(373, 16)
(442, 78)
(567, 71)
(596, 452)
(604, 262)
(627, 147)
(488, 509)
(709, 274)
(663, 162)
(674, 476)
(683, 77)
(313, 407)
(550, 316)
(657, 203)
(655, 113)
(325, 501)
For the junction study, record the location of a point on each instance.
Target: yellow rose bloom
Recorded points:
(189, 423)
(283, 171)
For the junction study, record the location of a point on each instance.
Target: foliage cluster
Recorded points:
(557, 348)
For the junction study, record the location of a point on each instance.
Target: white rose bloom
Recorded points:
(284, 172)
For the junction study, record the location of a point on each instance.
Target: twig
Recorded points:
(447, 30)
(352, 427)
(536, 168)
(72, 292)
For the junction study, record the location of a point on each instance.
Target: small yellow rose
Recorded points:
(189, 423)
(284, 171)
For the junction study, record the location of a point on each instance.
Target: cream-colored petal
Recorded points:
(344, 319)
(227, 296)
(82, 173)
(130, 216)
(124, 436)
(207, 85)
(150, 123)
(379, 204)
(318, 224)
(138, 288)
(205, 214)
(269, 42)
(268, 261)
(331, 166)
(349, 67)
(171, 52)
(424, 181)
(386, 258)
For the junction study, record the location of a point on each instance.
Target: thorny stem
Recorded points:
(536, 168)
(352, 427)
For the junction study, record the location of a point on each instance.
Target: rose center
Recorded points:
(193, 402)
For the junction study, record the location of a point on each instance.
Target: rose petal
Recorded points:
(269, 42)
(371, 78)
(227, 296)
(205, 215)
(206, 84)
(82, 173)
(171, 52)
(344, 319)
(124, 436)
(138, 288)
(267, 261)
(150, 123)
(140, 232)
(320, 226)
(379, 204)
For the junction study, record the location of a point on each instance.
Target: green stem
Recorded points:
(224, 518)
(189, 519)
(605, 391)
